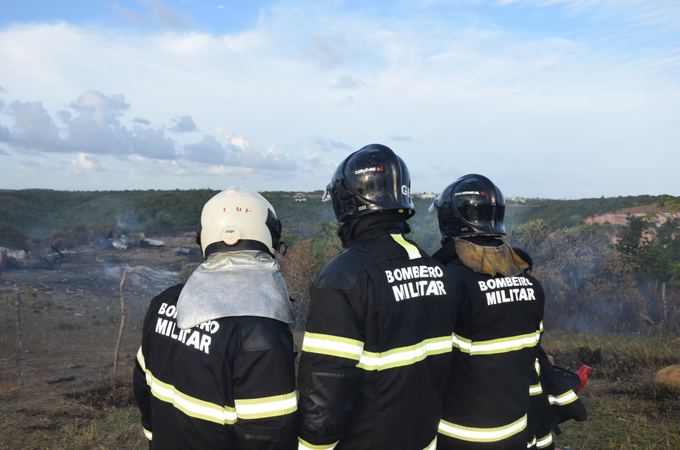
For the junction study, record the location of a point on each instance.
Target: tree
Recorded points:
(10, 238)
(530, 236)
(633, 237)
(299, 270)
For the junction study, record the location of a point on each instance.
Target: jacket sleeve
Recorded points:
(328, 377)
(264, 385)
(142, 394)
(564, 403)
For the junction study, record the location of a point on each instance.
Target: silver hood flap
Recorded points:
(246, 283)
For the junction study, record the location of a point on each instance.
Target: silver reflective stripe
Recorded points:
(304, 445)
(148, 434)
(482, 434)
(411, 249)
(260, 408)
(190, 406)
(563, 399)
(532, 443)
(535, 389)
(495, 346)
(352, 349)
(544, 441)
(327, 344)
(404, 356)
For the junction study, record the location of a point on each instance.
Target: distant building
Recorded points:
(425, 194)
(300, 197)
(515, 198)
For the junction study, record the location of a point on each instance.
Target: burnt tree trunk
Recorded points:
(122, 322)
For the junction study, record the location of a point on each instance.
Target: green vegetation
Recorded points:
(569, 213)
(592, 285)
(629, 410)
(41, 212)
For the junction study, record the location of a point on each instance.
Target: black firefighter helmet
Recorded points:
(470, 206)
(371, 179)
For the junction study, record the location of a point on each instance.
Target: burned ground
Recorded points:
(71, 312)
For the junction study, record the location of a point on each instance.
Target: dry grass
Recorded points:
(629, 410)
(95, 415)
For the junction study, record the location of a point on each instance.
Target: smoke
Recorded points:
(145, 278)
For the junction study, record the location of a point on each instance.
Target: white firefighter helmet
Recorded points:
(238, 219)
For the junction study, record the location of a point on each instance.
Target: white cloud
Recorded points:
(348, 82)
(87, 163)
(184, 124)
(95, 128)
(330, 144)
(441, 89)
(157, 13)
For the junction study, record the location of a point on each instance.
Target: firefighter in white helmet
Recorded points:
(216, 366)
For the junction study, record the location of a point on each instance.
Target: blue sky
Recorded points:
(548, 98)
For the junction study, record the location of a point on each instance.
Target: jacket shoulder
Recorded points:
(342, 271)
(457, 271)
(262, 333)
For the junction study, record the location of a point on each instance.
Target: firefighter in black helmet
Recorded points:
(559, 401)
(377, 345)
(498, 326)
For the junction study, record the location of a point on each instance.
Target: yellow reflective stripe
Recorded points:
(563, 399)
(404, 356)
(544, 441)
(465, 345)
(433, 445)
(304, 445)
(411, 249)
(537, 366)
(148, 434)
(495, 346)
(535, 389)
(482, 434)
(540, 327)
(532, 443)
(327, 344)
(259, 408)
(190, 406)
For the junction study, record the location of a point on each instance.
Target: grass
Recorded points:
(100, 415)
(629, 411)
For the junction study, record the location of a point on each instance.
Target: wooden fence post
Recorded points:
(122, 322)
(18, 349)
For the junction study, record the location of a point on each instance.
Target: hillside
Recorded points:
(42, 212)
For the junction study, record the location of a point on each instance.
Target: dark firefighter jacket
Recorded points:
(498, 328)
(225, 384)
(377, 348)
(556, 404)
